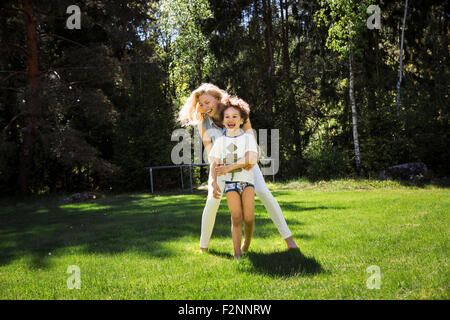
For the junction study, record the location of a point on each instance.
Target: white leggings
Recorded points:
(261, 190)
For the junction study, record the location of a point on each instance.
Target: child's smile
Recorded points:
(232, 120)
(230, 125)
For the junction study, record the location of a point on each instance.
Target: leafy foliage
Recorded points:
(107, 95)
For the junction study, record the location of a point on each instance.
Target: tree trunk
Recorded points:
(267, 13)
(400, 71)
(255, 31)
(354, 113)
(284, 37)
(124, 51)
(32, 98)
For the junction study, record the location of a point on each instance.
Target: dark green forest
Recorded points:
(88, 108)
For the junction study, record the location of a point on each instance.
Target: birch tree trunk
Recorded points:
(267, 16)
(400, 71)
(284, 36)
(354, 113)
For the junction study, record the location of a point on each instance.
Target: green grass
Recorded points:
(140, 246)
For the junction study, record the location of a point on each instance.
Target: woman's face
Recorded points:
(208, 105)
(232, 118)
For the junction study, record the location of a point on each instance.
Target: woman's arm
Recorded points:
(247, 127)
(206, 139)
(215, 186)
(250, 159)
(213, 168)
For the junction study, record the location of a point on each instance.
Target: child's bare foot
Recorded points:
(237, 257)
(245, 247)
(291, 243)
(203, 250)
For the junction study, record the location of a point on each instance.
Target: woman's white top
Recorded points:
(212, 129)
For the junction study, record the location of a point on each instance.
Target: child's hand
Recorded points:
(221, 170)
(216, 190)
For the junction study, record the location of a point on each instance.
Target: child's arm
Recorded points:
(250, 158)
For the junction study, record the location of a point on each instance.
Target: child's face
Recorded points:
(232, 118)
(208, 104)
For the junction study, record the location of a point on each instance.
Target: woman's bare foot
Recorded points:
(203, 250)
(291, 243)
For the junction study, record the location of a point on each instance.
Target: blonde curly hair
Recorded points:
(189, 114)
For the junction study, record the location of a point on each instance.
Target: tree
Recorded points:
(186, 48)
(30, 50)
(347, 18)
(400, 58)
(74, 91)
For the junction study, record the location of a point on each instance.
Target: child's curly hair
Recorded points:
(238, 103)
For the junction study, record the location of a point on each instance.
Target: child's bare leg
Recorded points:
(235, 206)
(248, 205)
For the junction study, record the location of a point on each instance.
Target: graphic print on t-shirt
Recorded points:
(231, 157)
(227, 150)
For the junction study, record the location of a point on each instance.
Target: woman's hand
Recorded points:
(252, 162)
(216, 190)
(222, 169)
(249, 167)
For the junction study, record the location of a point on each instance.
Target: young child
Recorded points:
(239, 183)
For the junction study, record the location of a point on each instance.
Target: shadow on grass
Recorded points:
(225, 255)
(39, 229)
(111, 225)
(443, 183)
(288, 263)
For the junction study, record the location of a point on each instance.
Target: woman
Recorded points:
(203, 108)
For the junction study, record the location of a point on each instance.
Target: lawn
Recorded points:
(143, 246)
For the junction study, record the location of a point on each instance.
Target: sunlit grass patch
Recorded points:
(143, 246)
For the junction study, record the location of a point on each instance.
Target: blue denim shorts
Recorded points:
(238, 186)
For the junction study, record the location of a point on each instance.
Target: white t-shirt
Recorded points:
(230, 149)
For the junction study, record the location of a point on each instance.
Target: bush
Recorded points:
(326, 161)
